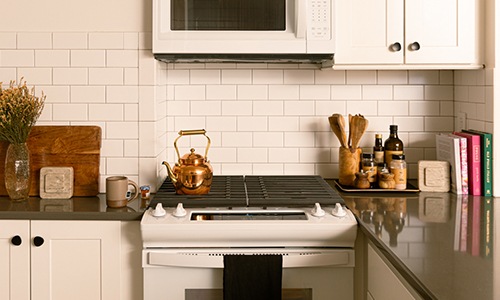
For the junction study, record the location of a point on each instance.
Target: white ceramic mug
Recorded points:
(117, 190)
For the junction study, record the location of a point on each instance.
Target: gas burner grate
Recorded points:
(226, 191)
(260, 191)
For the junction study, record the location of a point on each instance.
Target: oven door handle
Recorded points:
(337, 259)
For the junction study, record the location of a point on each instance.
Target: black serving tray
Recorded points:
(410, 188)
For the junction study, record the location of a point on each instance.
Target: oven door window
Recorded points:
(228, 15)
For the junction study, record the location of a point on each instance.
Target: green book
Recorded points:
(487, 161)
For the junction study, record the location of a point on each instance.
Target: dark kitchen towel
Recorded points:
(252, 277)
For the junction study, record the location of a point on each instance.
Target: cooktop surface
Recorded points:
(254, 191)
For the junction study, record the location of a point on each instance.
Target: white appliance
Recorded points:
(244, 30)
(184, 247)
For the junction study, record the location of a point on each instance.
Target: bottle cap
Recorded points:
(398, 156)
(393, 127)
(378, 135)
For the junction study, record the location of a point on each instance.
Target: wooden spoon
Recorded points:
(349, 139)
(336, 124)
(361, 124)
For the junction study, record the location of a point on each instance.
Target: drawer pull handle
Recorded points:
(16, 240)
(38, 241)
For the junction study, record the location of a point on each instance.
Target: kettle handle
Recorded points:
(192, 132)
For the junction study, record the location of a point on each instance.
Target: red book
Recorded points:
(474, 162)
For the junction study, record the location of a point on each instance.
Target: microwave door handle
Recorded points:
(300, 19)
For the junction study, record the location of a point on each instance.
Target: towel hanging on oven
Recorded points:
(250, 277)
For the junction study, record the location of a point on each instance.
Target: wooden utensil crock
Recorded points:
(348, 165)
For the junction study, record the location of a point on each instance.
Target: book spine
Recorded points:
(474, 162)
(463, 166)
(487, 165)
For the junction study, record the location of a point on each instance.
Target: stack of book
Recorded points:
(469, 153)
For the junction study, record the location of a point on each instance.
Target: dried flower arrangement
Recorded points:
(19, 111)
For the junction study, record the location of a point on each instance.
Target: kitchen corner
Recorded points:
(418, 237)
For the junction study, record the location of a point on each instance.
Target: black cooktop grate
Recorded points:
(254, 191)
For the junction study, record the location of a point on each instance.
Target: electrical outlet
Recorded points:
(461, 121)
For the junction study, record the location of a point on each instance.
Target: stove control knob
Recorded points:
(179, 211)
(159, 211)
(317, 211)
(339, 211)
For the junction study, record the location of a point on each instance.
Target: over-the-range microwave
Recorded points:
(244, 30)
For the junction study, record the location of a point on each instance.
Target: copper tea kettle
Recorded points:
(192, 174)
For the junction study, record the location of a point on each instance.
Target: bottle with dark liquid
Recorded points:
(378, 149)
(392, 145)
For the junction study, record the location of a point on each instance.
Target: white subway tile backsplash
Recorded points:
(106, 40)
(8, 40)
(346, 92)
(299, 139)
(70, 76)
(122, 94)
(204, 77)
(298, 77)
(423, 77)
(106, 76)
(283, 92)
(54, 94)
(252, 155)
(267, 77)
(69, 112)
(226, 123)
(285, 123)
(105, 112)
(268, 139)
(35, 76)
(377, 92)
(124, 165)
(17, 58)
(268, 108)
(205, 108)
(253, 92)
(284, 155)
(122, 130)
(392, 77)
(262, 118)
(122, 58)
(314, 92)
(299, 108)
(329, 77)
(70, 40)
(221, 92)
(361, 77)
(236, 77)
(88, 58)
(34, 40)
(7, 74)
(393, 108)
(254, 124)
(88, 94)
(52, 58)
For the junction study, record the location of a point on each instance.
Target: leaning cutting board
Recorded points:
(62, 146)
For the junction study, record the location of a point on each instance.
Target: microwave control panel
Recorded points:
(320, 20)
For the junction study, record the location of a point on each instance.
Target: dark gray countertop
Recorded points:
(421, 235)
(417, 232)
(76, 208)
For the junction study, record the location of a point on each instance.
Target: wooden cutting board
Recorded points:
(62, 146)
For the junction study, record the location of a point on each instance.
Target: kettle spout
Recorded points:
(170, 172)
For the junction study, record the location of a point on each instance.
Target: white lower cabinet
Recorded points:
(384, 283)
(59, 260)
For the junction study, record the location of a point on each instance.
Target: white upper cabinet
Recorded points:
(408, 34)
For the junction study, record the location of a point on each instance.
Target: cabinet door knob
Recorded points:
(415, 46)
(38, 241)
(395, 47)
(16, 240)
